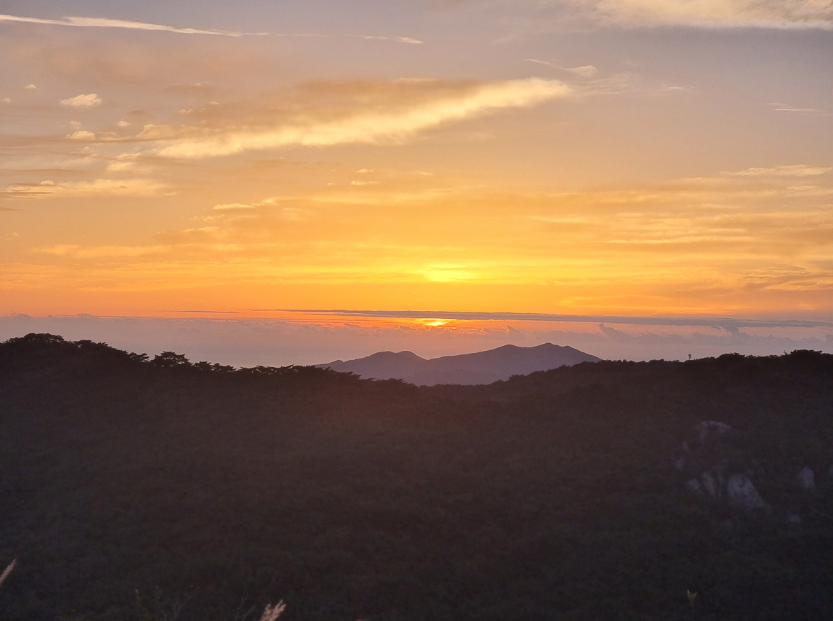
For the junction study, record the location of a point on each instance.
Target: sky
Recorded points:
(287, 181)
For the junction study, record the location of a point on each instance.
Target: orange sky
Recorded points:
(576, 157)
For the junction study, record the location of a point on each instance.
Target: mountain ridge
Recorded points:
(482, 367)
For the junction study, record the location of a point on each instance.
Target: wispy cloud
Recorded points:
(103, 22)
(780, 14)
(98, 252)
(790, 109)
(366, 37)
(795, 170)
(583, 71)
(538, 61)
(375, 113)
(408, 40)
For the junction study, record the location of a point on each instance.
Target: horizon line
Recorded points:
(658, 320)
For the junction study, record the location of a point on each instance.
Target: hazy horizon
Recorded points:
(305, 340)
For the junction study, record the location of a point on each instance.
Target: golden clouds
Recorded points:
(751, 239)
(344, 113)
(81, 134)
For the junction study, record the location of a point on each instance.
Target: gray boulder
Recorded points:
(807, 479)
(694, 486)
(741, 493)
(710, 484)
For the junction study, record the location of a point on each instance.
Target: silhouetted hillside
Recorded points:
(598, 491)
(482, 367)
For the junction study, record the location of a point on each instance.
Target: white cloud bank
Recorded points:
(412, 106)
(779, 14)
(83, 101)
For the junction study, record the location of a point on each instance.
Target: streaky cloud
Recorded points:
(584, 71)
(366, 37)
(408, 40)
(404, 109)
(103, 22)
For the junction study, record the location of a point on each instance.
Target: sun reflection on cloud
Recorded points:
(433, 322)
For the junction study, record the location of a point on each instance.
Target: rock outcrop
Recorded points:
(717, 465)
(720, 479)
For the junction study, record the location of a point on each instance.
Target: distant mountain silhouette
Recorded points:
(482, 367)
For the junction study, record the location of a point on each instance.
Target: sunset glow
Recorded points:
(570, 157)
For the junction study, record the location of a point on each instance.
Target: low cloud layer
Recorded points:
(96, 187)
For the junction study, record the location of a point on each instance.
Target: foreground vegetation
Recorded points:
(213, 491)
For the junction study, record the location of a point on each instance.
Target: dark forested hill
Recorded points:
(483, 367)
(600, 491)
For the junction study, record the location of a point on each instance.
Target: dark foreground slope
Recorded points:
(559, 495)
